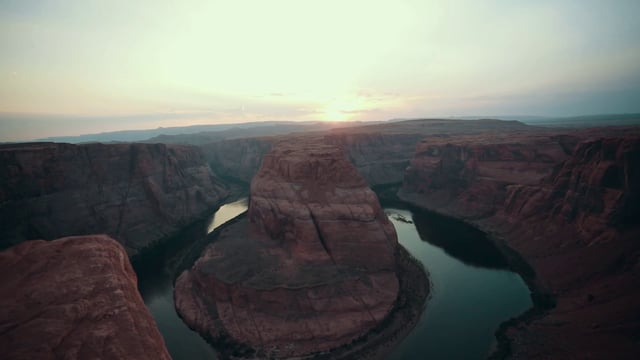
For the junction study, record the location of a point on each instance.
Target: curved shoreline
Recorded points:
(415, 290)
(541, 297)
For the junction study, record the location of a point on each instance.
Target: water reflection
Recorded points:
(156, 271)
(226, 213)
(471, 290)
(459, 240)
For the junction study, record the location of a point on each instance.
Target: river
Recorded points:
(472, 288)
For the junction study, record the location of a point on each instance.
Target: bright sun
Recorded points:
(341, 110)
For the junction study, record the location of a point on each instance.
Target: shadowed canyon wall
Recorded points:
(137, 193)
(575, 223)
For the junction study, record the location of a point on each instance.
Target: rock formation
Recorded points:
(380, 152)
(311, 269)
(577, 227)
(237, 159)
(73, 298)
(580, 234)
(467, 176)
(380, 158)
(137, 193)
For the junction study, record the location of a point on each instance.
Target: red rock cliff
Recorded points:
(579, 229)
(137, 193)
(576, 224)
(380, 152)
(467, 176)
(73, 298)
(312, 269)
(315, 201)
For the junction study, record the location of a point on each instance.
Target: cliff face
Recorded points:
(73, 298)
(380, 152)
(596, 190)
(314, 200)
(312, 269)
(468, 176)
(380, 158)
(577, 227)
(237, 159)
(137, 193)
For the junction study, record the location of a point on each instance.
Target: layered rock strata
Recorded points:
(73, 298)
(380, 152)
(577, 227)
(137, 193)
(468, 176)
(310, 269)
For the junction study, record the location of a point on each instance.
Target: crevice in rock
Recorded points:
(320, 237)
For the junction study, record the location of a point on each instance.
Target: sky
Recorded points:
(70, 67)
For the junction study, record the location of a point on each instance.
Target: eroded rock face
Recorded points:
(380, 158)
(312, 268)
(380, 152)
(237, 159)
(137, 193)
(468, 176)
(596, 190)
(577, 227)
(581, 226)
(314, 200)
(73, 298)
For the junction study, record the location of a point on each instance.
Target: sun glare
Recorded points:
(342, 110)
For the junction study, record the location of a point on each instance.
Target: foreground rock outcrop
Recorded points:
(73, 298)
(577, 227)
(312, 268)
(137, 193)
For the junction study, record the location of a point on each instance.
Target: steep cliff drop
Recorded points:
(136, 193)
(577, 226)
(313, 267)
(73, 298)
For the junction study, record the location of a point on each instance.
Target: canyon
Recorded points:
(314, 268)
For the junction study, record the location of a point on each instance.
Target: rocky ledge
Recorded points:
(311, 268)
(136, 193)
(73, 298)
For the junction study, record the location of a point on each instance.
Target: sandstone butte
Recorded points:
(136, 193)
(73, 298)
(311, 269)
(576, 224)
